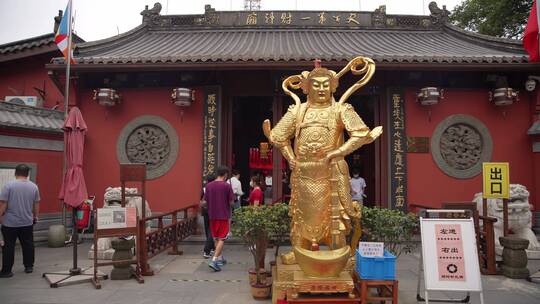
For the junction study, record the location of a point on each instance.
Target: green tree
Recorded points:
(500, 18)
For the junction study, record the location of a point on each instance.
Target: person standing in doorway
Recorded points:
(19, 208)
(209, 246)
(358, 185)
(220, 197)
(256, 195)
(236, 185)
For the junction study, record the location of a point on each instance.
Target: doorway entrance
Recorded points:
(364, 159)
(248, 113)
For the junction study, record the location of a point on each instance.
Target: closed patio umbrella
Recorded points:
(73, 191)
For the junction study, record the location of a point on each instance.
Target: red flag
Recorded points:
(530, 39)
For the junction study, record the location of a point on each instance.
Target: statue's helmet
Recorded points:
(319, 72)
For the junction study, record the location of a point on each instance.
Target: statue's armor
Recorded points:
(318, 131)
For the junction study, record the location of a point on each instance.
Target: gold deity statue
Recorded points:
(321, 206)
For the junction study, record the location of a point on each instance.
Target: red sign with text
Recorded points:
(450, 259)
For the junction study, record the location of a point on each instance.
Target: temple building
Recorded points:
(186, 93)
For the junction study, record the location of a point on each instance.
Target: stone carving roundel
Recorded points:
(151, 140)
(459, 146)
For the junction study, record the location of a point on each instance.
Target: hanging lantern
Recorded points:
(107, 97)
(429, 96)
(503, 96)
(182, 97)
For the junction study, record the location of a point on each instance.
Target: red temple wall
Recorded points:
(24, 74)
(49, 173)
(428, 185)
(181, 185)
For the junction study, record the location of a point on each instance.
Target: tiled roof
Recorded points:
(31, 46)
(223, 45)
(279, 36)
(30, 118)
(17, 46)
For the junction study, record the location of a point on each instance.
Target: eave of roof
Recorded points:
(23, 117)
(30, 47)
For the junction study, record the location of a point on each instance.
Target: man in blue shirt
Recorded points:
(19, 208)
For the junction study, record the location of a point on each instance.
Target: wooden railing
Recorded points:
(486, 245)
(166, 236)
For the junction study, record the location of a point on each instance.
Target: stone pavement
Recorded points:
(188, 279)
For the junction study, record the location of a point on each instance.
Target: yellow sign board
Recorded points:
(496, 178)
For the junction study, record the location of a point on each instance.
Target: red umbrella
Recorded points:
(73, 191)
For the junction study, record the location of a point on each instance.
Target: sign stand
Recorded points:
(130, 230)
(419, 298)
(448, 245)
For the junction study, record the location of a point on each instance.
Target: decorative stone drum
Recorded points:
(122, 251)
(514, 257)
(56, 236)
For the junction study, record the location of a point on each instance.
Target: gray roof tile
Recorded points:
(222, 45)
(30, 118)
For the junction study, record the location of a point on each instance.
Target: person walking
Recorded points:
(209, 246)
(236, 185)
(220, 197)
(19, 209)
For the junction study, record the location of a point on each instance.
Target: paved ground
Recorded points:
(187, 279)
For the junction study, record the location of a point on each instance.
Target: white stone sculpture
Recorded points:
(519, 218)
(111, 199)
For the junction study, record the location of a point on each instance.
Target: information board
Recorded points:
(450, 255)
(114, 218)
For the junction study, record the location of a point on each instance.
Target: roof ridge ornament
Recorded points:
(438, 15)
(378, 17)
(150, 14)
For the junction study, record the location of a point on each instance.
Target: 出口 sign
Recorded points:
(496, 180)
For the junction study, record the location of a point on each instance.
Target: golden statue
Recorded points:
(321, 206)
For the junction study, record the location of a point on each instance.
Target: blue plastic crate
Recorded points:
(376, 268)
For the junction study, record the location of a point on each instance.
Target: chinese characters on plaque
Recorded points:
(212, 105)
(371, 249)
(450, 258)
(398, 156)
(496, 178)
(305, 18)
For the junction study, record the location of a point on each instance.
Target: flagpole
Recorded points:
(66, 101)
(68, 63)
(75, 270)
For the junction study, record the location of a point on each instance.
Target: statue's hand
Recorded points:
(331, 155)
(376, 132)
(357, 209)
(292, 164)
(267, 129)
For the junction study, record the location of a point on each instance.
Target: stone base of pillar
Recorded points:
(514, 257)
(122, 251)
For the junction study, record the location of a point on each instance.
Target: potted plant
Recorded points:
(393, 227)
(254, 225)
(279, 215)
